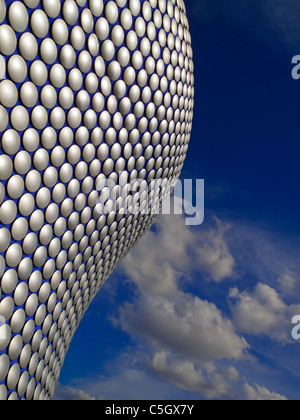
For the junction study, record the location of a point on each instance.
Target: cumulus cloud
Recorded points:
(181, 341)
(191, 342)
(184, 323)
(261, 393)
(181, 338)
(162, 257)
(204, 379)
(213, 254)
(155, 264)
(162, 313)
(262, 311)
(183, 334)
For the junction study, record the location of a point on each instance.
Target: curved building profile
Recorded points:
(96, 106)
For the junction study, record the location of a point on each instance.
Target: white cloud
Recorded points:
(185, 324)
(205, 379)
(161, 258)
(164, 315)
(184, 342)
(262, 311)
(164, 320)
(123, 382)
(69, 393)
(183, 334)
(261, 393)
(287, 283)
(264, 255)
(213, 254)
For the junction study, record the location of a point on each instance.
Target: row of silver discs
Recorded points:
(93, 91)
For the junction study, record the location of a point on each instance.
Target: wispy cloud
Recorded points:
(261, 393)
(263, 19)
(122, 381)
(285, 17)
(69, 393)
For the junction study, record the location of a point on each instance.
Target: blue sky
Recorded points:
(205, 312)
